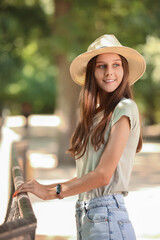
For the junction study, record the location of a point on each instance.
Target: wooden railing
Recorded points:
(20, 222)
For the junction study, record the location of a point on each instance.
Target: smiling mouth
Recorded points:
(108, 81)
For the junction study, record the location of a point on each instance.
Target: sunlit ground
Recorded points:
(144, 210)
(33, 121)
(57, 217)
(151, 148)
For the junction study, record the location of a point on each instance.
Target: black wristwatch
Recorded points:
(58, 188)
(58, 191)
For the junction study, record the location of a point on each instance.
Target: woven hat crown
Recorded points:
(104, 41)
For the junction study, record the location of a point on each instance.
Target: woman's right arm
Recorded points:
(55, 184)
(40, 190)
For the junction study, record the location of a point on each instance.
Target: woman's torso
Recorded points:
(89, 161)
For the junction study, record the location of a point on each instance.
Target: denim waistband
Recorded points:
(107, 200)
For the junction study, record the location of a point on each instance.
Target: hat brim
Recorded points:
(135, 60)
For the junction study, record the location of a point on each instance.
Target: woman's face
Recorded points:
(108, 71)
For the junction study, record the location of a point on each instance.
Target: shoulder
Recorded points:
(126, 107)
(126, 104)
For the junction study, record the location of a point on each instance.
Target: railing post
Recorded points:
(20, 222)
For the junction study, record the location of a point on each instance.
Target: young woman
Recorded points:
(104, 143)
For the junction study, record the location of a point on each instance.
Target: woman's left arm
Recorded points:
(102, 174)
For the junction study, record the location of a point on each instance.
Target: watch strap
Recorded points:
(58, 191)
(58, 188)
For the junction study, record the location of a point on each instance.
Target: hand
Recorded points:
(37, 189)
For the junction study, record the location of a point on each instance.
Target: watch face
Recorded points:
(58, 189)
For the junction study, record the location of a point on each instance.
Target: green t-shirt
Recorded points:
(89, 161)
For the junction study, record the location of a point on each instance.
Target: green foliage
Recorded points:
(34, 32)
(27, 73)
(148, 89)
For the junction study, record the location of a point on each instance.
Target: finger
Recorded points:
(25, 186)
(15, 194)
(21, 191)
(25, 189)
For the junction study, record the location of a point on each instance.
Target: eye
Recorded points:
(116, 65)
(102, 66)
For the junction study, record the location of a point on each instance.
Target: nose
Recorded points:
(109, 71)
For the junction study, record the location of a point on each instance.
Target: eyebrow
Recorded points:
(113, 61)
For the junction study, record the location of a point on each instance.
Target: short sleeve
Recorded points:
(126, 107)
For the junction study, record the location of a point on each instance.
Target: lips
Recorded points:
(108, 80)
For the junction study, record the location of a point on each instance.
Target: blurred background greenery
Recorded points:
(39, 39)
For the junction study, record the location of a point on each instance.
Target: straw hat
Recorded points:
(108, 44)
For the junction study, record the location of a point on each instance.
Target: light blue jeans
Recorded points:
(103, 218)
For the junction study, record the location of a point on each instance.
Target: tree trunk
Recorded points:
(68, 91)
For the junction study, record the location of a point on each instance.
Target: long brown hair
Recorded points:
(88, 101)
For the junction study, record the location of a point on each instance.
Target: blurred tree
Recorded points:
(39, 38)
(27, 73)
(148, 89)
